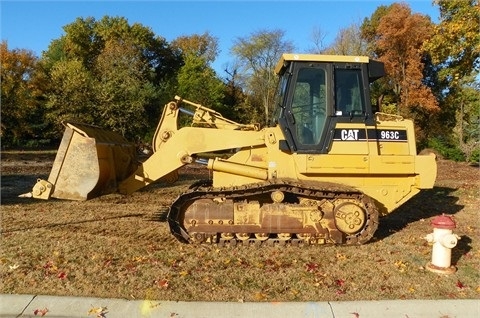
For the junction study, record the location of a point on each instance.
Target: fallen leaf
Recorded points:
(259, 265)
(163, 283)
(355, 314)
(401, 265)
(139, 259)
(40, 312)
(460, 285)
(470, 229)
(99, 312)
(260, 296)
(311, 267)
(340, 292)
(50, 268)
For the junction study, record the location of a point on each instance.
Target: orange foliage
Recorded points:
(18, 102)
(401, 37)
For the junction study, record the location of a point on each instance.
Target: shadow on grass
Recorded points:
(463, 247)
(14, 185)
(160, 216)
(53, 225)
(426, 204)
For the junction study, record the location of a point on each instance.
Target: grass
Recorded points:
(117, 246)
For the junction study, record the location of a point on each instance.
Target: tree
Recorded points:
(19, 105)
(71, 97)
(455, 49)
(455, 44)
(467, 130)
(257, 57)
(196, 79)
(369, 30)
(398, 42)
(110, 73)
(121, 92)
(349, 41)
(199, 45)
(318, 37)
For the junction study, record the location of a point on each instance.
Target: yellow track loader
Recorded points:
(323, 172)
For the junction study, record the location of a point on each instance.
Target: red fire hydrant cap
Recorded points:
(443, 222)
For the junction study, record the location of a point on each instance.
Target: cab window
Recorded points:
(309, 105)
(348, 93)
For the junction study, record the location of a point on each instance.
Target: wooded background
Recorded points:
(119, 75)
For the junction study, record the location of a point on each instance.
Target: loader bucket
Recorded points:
(90, 162)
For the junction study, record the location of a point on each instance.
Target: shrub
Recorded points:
(475, 156)
(447, 149)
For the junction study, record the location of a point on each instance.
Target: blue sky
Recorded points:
(34, 24)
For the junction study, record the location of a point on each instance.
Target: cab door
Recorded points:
(307, 104)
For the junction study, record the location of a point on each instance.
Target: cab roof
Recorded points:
(318, 58)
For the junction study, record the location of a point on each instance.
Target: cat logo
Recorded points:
(349, 134)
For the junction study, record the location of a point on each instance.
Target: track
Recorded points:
(273, 212)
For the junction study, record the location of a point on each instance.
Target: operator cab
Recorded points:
(316, 92)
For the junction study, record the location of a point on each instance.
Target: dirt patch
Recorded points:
(120, 246)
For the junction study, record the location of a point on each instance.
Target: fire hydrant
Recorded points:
(443, 241)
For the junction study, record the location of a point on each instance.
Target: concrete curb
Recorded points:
(28, 305)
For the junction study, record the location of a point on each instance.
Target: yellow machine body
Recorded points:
(324, 171)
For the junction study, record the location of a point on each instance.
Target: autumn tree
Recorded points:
(401, 36)
(396, 37)
(257, 55)
(204, 46)
(455, 48)
(455, 44)
(19, 109)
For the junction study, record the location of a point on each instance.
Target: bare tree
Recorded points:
(318, 38)
(349, 42)
(257, 56)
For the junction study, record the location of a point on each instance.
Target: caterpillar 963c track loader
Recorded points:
(324, 170)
